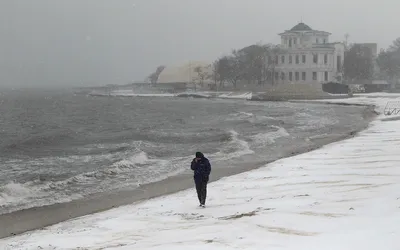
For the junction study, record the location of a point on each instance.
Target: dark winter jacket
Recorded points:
(201, 168)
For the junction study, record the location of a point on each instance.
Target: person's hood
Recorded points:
(199, 155)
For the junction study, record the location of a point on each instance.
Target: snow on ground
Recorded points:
(344, 196)
(380, 100)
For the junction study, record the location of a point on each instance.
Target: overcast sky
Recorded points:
(96, 42)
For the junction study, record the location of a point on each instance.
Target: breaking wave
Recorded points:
(16, 196)
(236, 147)
(268, 138)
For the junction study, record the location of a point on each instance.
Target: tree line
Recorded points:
(389, 62)
(253, 64)
(256, 64)
(360, 64)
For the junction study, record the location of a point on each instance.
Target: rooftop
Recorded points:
(301, 27)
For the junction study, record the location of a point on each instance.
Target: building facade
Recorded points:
(307, 56)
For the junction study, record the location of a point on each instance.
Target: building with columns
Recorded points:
(308, 57)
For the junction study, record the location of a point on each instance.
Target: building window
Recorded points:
(290, 42)
(315, 58)
(294, 41)
(314, 76)
(326, 76)
(303, 76)
(324, 41)
(317, 41)
(303, 58)
(276, 76)
(282, 59)
(276, 59)
(297, 59)
(297, 76)
(290, 76)
(290, 59)
(283, 76)
(326, 59)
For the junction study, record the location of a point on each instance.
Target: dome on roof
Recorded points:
(301, 27)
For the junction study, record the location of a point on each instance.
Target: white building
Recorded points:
(308, 57)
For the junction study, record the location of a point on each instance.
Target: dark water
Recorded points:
(57, 146)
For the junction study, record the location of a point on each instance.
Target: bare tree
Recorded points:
(395, 47)
(220, 70)
(202, 74)
(272, 53)
(358, 64)
(153, 77)
(214, 76)
(234, 70)
(258, 62)
(389, 61)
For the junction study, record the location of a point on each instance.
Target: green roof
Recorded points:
(301, 27)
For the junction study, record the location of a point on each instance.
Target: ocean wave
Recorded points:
(131, 93)
(241, 115)
(51, 189)
(234, 95)
(14, 192)
(255, 119)
(268, 138)
(201, 136)
(16, 196)
(235, 148)
(132, 168)
(130, 171)
(193, 95)
(307, 121)
(42, 140)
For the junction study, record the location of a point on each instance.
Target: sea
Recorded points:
(57, 146)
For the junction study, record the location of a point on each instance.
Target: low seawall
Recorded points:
(285, 92)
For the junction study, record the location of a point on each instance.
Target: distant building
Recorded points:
(309, 57)
(185, 73)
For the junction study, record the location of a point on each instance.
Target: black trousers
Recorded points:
(201, 188)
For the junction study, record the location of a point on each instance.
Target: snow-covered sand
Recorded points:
(345, 195)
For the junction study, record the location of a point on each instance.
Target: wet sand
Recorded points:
(36, 218)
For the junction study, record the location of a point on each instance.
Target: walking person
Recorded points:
(202, 168)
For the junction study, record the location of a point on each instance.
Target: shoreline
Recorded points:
(21, 221)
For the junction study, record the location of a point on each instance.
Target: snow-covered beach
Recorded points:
(342, 196)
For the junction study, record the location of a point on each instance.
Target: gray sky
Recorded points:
(95, 42)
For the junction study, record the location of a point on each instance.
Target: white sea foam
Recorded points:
(14, 192)
(233, 95)
(235, 148)
(270, 137)
(16, 196)
(139, 158)
(227, 95)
